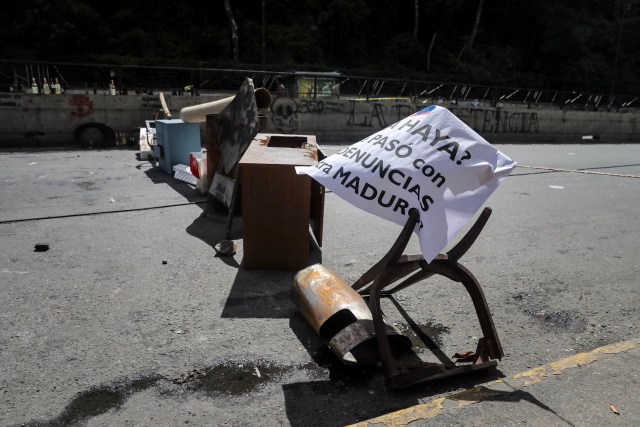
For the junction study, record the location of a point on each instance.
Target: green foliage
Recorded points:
(343, 26)
(581, 45)
(403, 52)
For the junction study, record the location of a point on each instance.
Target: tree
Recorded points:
(342, 37)
(416, 21)
(474, 31)
(234, 32)
(568, 45)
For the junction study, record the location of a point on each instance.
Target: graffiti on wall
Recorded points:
(501, 121)
(376, 113)
(286, 115)
(376, 117)
(82, 105)
(8, 101)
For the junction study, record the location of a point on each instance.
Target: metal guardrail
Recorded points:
(144, 79)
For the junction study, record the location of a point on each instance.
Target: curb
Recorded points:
(457, 401)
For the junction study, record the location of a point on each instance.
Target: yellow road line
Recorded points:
(457, 401)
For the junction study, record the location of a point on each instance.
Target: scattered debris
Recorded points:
(591, 138)
(147, 139)
(183, 173)
(41, 247)
(337, 312)
(465, 357)
(225, 248)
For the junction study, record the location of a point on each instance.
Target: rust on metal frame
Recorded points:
(395, 266)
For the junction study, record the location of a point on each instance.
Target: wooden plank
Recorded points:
(260, 152)
(275, 217)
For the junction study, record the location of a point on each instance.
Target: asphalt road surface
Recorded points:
(129, 318)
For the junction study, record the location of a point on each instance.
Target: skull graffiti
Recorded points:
(285, 115)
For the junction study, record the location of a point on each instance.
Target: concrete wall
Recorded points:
(51, 119)
(351, 120)
(27, 119)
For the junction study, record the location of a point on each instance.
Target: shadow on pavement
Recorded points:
(159, 176)
(486, 394)
(254, 293)
(345, 395)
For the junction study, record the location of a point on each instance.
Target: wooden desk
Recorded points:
(278, 206)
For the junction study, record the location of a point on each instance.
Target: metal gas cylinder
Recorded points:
(341, 316)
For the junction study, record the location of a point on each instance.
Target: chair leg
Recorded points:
(489, 347)
(395, 266)
(388, 361)
(458, 273)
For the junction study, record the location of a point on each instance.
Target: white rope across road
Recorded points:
(579, 171)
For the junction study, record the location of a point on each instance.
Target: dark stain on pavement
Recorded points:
(557, 318)
(97, 400)
(232, 378)
(87, 185)
(226, 379)
(547, 317)
(434, 331)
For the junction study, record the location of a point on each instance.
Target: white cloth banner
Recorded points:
(431, 161)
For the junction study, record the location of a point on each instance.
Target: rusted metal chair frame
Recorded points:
(393, 267)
